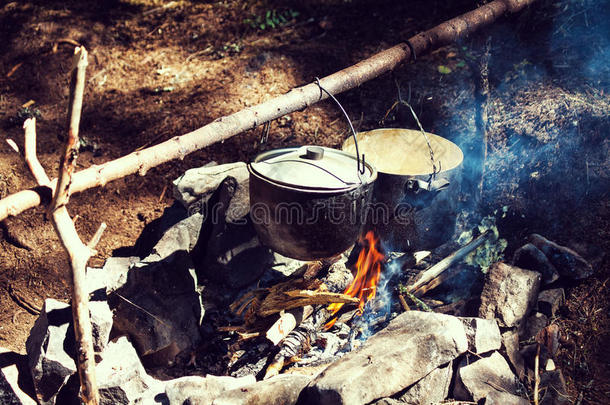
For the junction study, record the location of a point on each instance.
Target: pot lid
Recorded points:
(312, 167)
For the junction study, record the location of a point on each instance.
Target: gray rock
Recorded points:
(159, 308)
(280, 390)
(553, 385)
(16, 386)
(229, 252)
(202, 390)
(121, 378)
(504, 398)
(510, 341)
(110, 277)
(432, 389)
(49, 363)
(478, 379)
(483, 334)
(509, 294)
(568, 263)
(409, 348)
(101, 324)
(531, 258)
(534, 324)
(181, 236)
(549, 301)
(196, 186)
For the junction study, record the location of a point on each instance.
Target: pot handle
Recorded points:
(415, 186)
(361, 164)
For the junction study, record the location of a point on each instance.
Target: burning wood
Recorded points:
(368, 273)
(287, 322)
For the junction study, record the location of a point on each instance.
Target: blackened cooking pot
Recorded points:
(414, 205)
(309, 202)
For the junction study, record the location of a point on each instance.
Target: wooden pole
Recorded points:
(295, 100)
(78, 253)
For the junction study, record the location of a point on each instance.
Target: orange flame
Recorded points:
(368, 272)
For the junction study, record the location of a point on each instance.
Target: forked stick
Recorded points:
(78, 252)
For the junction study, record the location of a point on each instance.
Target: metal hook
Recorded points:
(361, 165)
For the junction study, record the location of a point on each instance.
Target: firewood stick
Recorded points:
(295, 100)
(293, 345)
(435, 282)
(450, 260)
(286, 323)
(403, 302)
(296, 342)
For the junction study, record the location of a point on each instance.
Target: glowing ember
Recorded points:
(368, 271)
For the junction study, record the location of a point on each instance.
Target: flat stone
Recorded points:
(476, 380)
(181, 236)
(159, 308)
(531, 258)
(549, 301)
(282, 389)
(533, 325)
(196, 187)
(504, 398)
(16, 387)
(202, 390)
(409, 348)
(509, 294)
(432, 389)
(568, 263)
(483, 334)
(48, 359)
(111, 276)
(510, 341)
(121, 378)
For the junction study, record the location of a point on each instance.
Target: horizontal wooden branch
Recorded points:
(295, 100)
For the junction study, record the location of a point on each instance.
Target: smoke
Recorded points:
(530, 110)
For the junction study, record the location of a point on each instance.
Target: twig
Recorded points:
(14, 69)
(30, 156)
(156, 318)
(23, 303)
(403, 302)
(419, 303)
(450, 260)
(537, 374)
(95, 239)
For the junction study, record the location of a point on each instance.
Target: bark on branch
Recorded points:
(297, 99)
(78, 252)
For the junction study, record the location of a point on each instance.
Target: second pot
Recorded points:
(414, 203)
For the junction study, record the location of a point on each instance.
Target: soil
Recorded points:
(532, 87)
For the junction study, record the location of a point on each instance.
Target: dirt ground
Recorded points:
(160, 69)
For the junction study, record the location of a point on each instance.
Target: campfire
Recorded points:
(367, 273)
